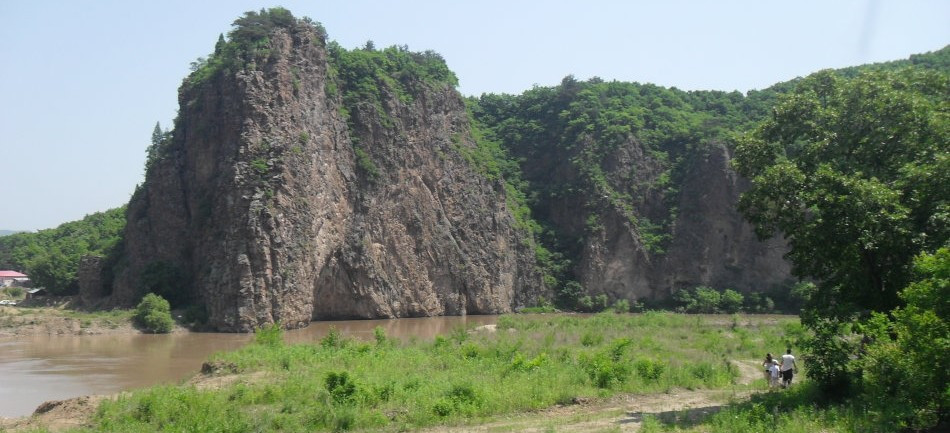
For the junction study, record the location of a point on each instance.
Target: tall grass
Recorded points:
(531, 362)
(798, 410)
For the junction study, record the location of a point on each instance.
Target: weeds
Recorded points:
(533, 362)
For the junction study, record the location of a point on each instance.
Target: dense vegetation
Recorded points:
(557, 147)
(852, 166)
(529, 363)
(856, 173)
(247, 45)
(153, 314)
(51, 257)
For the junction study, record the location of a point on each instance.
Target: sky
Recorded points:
(83, 82)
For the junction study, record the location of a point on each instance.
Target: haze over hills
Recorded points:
(305, 181)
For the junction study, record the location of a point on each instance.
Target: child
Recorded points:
(773, 373)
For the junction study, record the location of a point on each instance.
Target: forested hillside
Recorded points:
(567, 149)
(581, 151)
(563, 154)
(51, 257)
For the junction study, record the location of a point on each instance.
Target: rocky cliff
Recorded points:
(708, 242)
(634, 188)
(289, 191)
(304, 181)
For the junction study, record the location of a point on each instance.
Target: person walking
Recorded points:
(789, 368)
(766, 365)
(773, 374)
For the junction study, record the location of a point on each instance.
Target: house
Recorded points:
(8, 278)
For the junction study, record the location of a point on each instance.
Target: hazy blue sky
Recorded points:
(82, 83)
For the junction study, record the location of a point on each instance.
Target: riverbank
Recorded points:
(529, 364)
(60, 316)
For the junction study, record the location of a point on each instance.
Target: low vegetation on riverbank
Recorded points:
(525, 363)
(60, 319)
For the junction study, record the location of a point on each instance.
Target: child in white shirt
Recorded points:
(773, 373)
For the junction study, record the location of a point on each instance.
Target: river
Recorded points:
(37, 369)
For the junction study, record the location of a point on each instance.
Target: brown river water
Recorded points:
(37, 369)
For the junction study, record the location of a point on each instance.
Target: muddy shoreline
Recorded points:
(60, 316)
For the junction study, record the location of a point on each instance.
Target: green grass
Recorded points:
(110, 319)
(531, 362)
(796, 410)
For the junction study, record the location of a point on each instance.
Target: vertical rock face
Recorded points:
(710, 244)
(633, 185)
(261, 208)
(91, 287)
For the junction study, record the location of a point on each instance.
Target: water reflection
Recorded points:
(37, 369)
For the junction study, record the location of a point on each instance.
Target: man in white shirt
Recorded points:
(788, 368)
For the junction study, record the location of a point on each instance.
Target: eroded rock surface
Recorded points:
(264, 208)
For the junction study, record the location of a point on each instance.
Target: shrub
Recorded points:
(706, 300)
(905, 367)
(462, 398)
(621, 306)
(379, 334)
(730, 301)
(341, 386)
(153, 314)
(366, 164)
(332, 339)
(592, 338)
(269, 335)
(649, 369)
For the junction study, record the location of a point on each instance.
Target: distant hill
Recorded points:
(9, 232)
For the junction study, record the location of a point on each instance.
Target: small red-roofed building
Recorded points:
(10, 278)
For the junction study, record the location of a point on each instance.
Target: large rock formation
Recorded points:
(710, 244)
(303, 181)
(634, 187)
(275, 201)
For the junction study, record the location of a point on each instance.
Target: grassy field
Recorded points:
(796, 410)
(528, 362)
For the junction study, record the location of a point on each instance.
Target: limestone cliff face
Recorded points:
(709, 243)
(263, 209)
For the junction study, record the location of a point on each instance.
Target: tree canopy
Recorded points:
(51, 257)
(856, 174)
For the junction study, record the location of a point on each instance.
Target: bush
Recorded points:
(621, 306)
(269, 335)
(333, 338)
(649, 369)
(730, 301)
(706, 300)
(341, 386)
(153, 314)
(905, 367)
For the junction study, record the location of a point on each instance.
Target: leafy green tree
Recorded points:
(153, 314)
(855, 174)
(159, 138)
(730, 301)
(906, 379)
(706, 300)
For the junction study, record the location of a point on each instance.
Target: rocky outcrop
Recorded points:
(709, 243)
(92, 288)
(262, 208)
